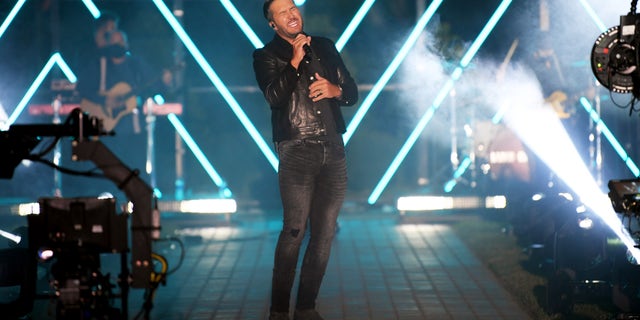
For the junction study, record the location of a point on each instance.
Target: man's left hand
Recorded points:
(323, 89)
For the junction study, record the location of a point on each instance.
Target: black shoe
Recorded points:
(309, 314)
(278, 316)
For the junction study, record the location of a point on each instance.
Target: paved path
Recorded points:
(379, 269)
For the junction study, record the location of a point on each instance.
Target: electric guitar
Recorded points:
(119, 101)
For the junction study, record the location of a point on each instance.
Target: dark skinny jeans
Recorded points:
(313, 182)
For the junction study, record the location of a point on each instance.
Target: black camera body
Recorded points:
(614, 57)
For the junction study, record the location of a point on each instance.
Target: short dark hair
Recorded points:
(265, 9)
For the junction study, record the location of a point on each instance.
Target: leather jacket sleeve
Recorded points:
(276, 78)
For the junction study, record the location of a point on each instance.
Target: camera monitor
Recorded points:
(83, 224)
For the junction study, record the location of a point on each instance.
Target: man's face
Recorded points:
(286, 18)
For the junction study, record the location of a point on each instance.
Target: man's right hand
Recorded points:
(298, 52)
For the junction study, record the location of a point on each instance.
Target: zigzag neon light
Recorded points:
(217, 82)
(444, 92)
(95, 12)
(448, 187)
(11, 16)
(56, 58)
(197, 152)
(244, 26)
(391, 69)
(593, 15)
(355, 22)
(610, 137)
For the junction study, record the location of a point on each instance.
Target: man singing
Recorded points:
(305, 82)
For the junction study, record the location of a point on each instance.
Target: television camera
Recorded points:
(78, 230)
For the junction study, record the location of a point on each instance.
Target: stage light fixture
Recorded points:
(441, 203)
(614, 56)
(203, 206)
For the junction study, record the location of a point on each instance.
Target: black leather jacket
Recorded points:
(293, 114)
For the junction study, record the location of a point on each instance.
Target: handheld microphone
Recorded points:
(307, 50)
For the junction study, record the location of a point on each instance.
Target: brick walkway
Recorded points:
(379, 270)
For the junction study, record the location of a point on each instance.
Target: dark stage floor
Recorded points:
(380, 269)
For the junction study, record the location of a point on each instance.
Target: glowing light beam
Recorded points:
(554, 147)
(594, 16)
(444, 92)
(391, 69)
(466, 162)
(10, 236)
(95, 12)
(217, 82)
(355, 22)
(56, 58)
(610, 137)
(197, 152)
(11, 16)
(242, 23)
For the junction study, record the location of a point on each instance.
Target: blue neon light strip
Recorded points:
(242, 23)
(217, 82)
(56, 58)
(488, 28)
(300, 2)
(448, 187)
(11, 16)
(92, 8)
(395, 164)
(355, 22)
(610, 137)
(593, 15)
(193, 146)
(391, 69)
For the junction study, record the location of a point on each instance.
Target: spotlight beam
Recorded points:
(355, 22)
(444, 92)
(197, 152)
(391, 69)
(11, 16)
(554, 147)
(610, 137)
(217, 82)
(56, 58)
